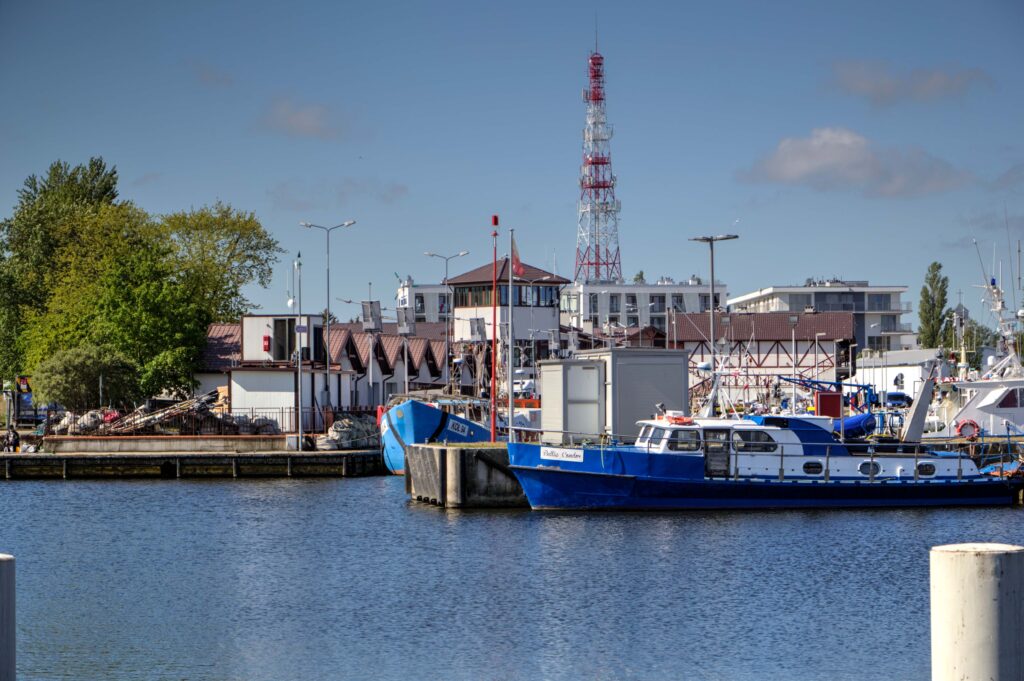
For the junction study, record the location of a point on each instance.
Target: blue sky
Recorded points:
(856, 139)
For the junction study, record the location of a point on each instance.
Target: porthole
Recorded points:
(926, 469)
(869, 468)
(813, 468)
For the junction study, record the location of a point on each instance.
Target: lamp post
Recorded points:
(297, 271)
(447, 304)
(327, 322)
(710, 241)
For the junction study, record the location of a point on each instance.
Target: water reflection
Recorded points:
(309, 579)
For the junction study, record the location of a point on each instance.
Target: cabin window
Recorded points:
(753, 441)
(684, 441)
(869, 468)
(645, 432)
(1009, 400)
(654, 439)
(926, 469)
(813, 468)
(716, 441)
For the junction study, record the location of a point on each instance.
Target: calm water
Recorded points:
(346, 579)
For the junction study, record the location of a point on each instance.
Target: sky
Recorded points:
(861, 140)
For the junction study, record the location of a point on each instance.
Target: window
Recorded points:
(613, 303)
(284, 339)
(630, 302)
(658, 322)
(570, 302)
(644, 432)
(442, 304)
(878, 342)
(879, 302)
(658, 303)
(813, 468)
(799, 301)
(677, 302)
(1009, 400)
(869, 468)
(420, 307)
(705, 301)
(655, 437)
(593, 303)
(753, 441)
(613, 319)
(926, 469)
(684, 441)
(632, 321)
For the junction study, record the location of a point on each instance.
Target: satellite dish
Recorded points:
(1020, 314)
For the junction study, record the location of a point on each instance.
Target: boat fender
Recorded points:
(972, 428)
(380, 414)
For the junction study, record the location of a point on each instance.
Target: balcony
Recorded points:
(891, 308)
(897, 329)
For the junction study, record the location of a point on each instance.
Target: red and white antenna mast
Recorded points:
(597, 236)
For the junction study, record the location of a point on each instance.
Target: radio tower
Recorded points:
(597, 236)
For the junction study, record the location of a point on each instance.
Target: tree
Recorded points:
(932, 312)
(72, 379)
(638, 278)
(219, 251)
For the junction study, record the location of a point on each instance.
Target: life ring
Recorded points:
(972, 428)
(680, 420)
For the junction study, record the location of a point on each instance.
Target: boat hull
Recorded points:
(627, 483)
(414, 422)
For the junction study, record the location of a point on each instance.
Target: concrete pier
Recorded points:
(977, 612)
(7, 619)
(463, 476)
(342, 463)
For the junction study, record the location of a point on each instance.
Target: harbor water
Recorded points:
(347, 579)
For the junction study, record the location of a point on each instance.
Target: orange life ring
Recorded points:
(680, 420)
(975, 429)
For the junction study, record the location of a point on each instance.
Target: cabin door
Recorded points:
(717, 447)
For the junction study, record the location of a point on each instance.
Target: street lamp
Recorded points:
(710, 241)
(327, 322)
(447, 303)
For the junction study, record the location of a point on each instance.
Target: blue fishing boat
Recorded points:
(419, 422)
(755, 462)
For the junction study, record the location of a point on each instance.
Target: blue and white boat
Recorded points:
(754, 462)
(418, 422)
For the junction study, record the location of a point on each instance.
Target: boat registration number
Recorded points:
(459, 428)
(558, 454)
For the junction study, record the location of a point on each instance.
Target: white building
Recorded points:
(535, 302)
(877, 310)
(605, 307)
(428, 301)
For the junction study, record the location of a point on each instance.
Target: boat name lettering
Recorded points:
(558, 454)
(458, 428)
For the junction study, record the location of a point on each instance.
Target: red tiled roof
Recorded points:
(340, 337)
(418, 348)
(392, 346)
(437, 347)
(763, 326)
(485, 273)
(431, 330)
(223, 347)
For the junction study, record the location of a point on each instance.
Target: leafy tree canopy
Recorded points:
(932, 311)
(72, 379)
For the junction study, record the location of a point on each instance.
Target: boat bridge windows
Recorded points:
(753, 441)
(683, 440)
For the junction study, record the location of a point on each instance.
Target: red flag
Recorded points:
(517, 264)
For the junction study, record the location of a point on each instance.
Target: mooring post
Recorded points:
(7, 622)
(977, 603)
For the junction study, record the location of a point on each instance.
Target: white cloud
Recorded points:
(876, 82)
(841, 159)
(301, 120)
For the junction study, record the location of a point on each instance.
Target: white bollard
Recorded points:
(977, 602)
(6, 617)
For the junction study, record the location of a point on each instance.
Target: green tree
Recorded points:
(638, 278)
(933, 312)
(219, 251)
(72, 379)
(45, 221)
